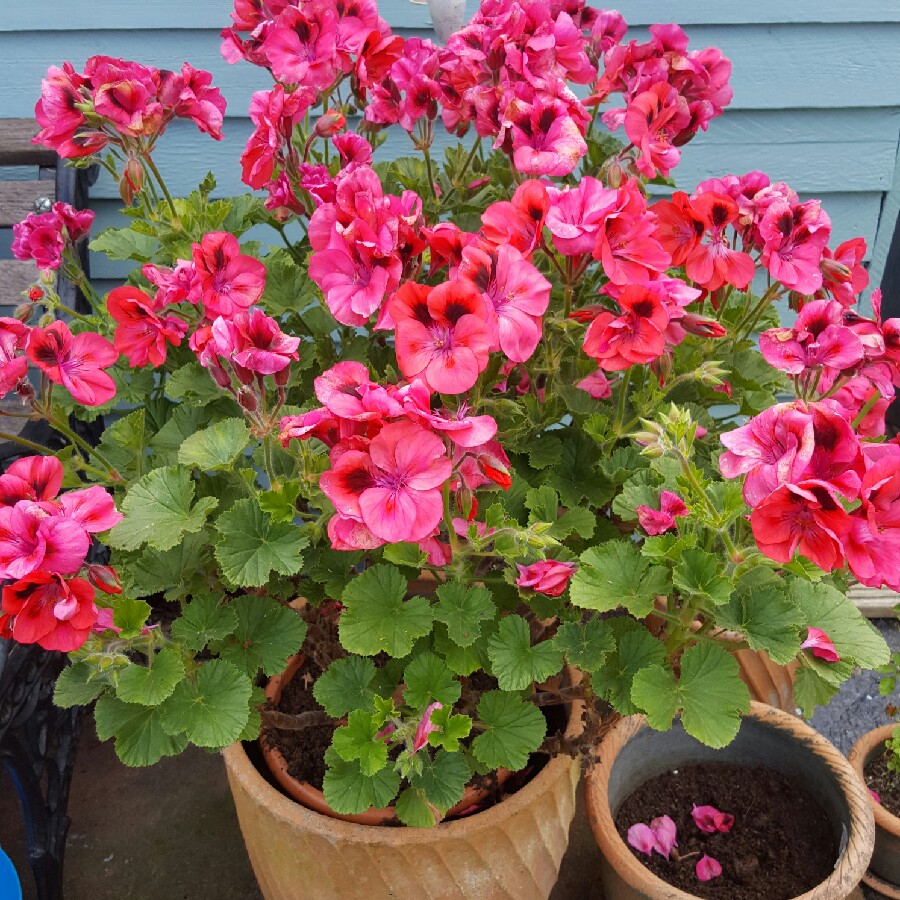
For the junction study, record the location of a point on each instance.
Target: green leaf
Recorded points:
(579, 521)
(545, 451)
(822, 606)
(543, 503)
(130, 615)
(451, 729)
(357, 740)
(281, 505)
(254, 722)
(699, 573)
(159, 510)
(251, 546)
(761, 611)
(514, 728)
(212, 709)
(73, 687)
(192, 381)
(140, 737)
(585, 646)
(215, 447)
(414, 810)
(349, 791)
(377, 619)
(576, 477)
(636, 649)
(428, 679)
(709, 693)
(204, 619)
(462, 609)
(265, 636)
(405, 554)
(515, 662)
(152, 571)
(615, 574)
(150, 685)
(124, 442)
(346, 685)
(125, 243)
(642, 489)
(667, 547)
(443, 779)
(812, 690)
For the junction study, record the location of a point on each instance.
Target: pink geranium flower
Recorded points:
(141, 334)
(13, 364)
(56, 613)
(659, 521)
(31, 538)
(348, 392)
(576, 214)
(253, 341)
(820, 644)
(596, 385)
(807, 518)
(641, 837)
(38, 478)
(795, 237)
(711, 820)
(653, 119)
(229, 281)
(426, 727)
(394, 487)
(92, 508)
(547, 576)
(74, 361)
(516, 293)
(713, 262)
(462, 429)
(708, 868)
(442, 334)
(772, 449)
(300, 47)
(518, 222)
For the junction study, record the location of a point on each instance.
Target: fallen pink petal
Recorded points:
(712, 820)
(642, 838)
(708, 868)
(665, 832)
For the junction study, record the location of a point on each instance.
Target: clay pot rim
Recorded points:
(846, 872)
(863, 750)
(349, 828)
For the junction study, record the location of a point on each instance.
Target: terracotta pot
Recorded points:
(769, 682)
(885, 865)
(312, 797)
(632, 753)
(511, 851)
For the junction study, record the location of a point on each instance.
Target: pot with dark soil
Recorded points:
(869, 757)
(776, 815)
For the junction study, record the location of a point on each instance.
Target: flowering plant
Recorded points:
(486, 415)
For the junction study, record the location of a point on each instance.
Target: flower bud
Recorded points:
(467, 504)
(220, 376)
(35, 293)
(835, 271)
(48, 277)
(46, 320)
(710, 328)
(330, 124)
(662, 366)
(283, 377)
(25, 390)
(23, 312)
(105, 579)
(132, 181)
(248, 399)
(615, 175)
(245, 376)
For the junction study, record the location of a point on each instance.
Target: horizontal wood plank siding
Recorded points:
(817, 90)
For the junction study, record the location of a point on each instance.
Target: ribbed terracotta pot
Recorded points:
(632, 753)
(310, 796)
(768, 682)
(511, 851)
(885, 864)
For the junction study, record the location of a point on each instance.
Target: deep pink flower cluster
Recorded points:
(122, 102)
(45, 237)
(670, 92)
(44, 541)
(391, 455)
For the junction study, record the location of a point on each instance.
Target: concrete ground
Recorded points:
(170, 832)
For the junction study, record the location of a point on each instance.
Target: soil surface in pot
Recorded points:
(304, 750)
(884, 782)
(780, 846)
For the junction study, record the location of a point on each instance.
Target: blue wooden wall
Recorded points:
(817, 90)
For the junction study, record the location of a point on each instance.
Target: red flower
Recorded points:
(547, 576)
(635, 337)
(229, 281)
(141, 334)
(76, 362)
(659, 521)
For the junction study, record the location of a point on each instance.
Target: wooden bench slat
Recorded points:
(17, 199)
(15, 276)
(16, 148)
(875, 603)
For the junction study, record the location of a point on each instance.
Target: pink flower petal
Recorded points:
(665, 831)
(708, 868)
(711, 820)
(642, 838)
(821, 645)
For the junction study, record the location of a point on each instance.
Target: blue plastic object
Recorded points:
(10, 886)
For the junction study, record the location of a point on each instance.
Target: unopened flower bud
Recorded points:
(248, 399)
(23, 312)
(25, 390)
(48, 277)
(835, 271)
(220, 376)
(615, 176)
(467, 504)
(245, 376)
(46, 320)
(105, 579)
(662, 366)
(35, 293)
(330, 124)
(132, 181)
(283, 377)
(710, 374)
(710, 328)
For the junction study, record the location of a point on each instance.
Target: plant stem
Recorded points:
(865, 410)
(64, 429)
(152, 166)
(448, 519)
(24, 442)
(620, 411)
(427, 154)
(454, 187)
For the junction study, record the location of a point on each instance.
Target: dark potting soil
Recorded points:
(885, 783)
(780, 846)
(304, 750)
